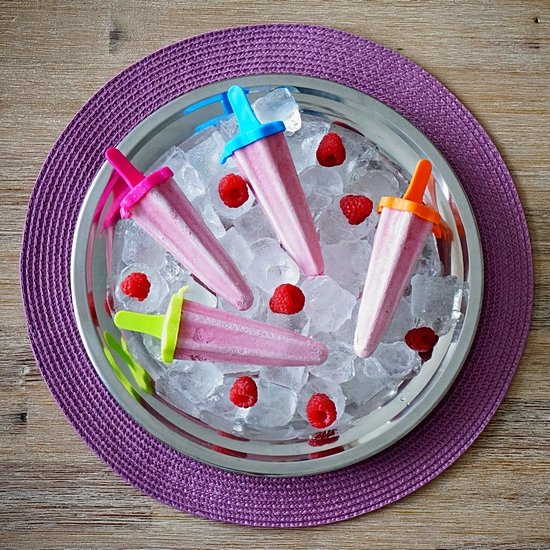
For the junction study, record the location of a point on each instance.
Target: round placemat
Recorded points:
(194, 487)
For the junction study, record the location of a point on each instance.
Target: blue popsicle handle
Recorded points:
(251, 129)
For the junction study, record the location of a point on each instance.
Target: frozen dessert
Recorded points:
(263, 156)
(158, 205)
(402, 230)
(190, 330)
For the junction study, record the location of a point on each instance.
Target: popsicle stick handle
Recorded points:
(140, 322)
(419, 181)
(129, 173)
(243, 110)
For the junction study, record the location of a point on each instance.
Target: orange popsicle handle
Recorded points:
(412, 199)
(419, 181)
(417, 208)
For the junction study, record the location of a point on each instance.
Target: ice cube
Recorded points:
(258, 309)
(327, 304)
(343, 422)
(253, 225)
(209, 215)
(367, 391)
(372, 368)
(175, 276)
(233, 368)
(138, 246)
(356, 145)
(434, 298)
(224, 211)
(175, 398)
(275, 406)
(198, 293)
(354, 141)
(303, 143)
(322, 180)
(321, 385)
(219, 412)
(346, 332)
(134, 345)
(174, 158)
(347, 263)
(238, 249)
(293, 378)
(203, 151)
(157, 292)
(173, 272)
(194, 380)
(375, 184)
(228, 127)
(334, 226)
(295, 322)
(119, 234)
(429, 263)
(185, 175)
(403, 320)
(271, 266)
(279, 105)
(397, 359)
(318, 203)
(357, 166)
(153, 346)
(190, 182)
(339, 366)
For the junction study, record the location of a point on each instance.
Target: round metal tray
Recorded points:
(399, 141)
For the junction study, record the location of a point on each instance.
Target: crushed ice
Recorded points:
(357, 386)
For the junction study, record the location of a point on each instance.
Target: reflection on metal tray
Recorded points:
(130, 384)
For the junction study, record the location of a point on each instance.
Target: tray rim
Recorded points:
(442, 380)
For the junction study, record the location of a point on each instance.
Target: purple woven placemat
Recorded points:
(164, 473)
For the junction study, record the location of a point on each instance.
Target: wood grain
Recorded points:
(54, 492)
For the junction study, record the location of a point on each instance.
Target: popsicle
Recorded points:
(158, 205)
(263, 156)
(193, 331)
(402, 229)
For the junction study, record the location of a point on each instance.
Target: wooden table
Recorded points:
(54, 492)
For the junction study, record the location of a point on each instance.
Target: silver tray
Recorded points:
(398, 140)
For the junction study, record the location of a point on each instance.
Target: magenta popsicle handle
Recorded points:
(131, 175)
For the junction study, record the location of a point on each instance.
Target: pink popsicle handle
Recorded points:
(129, 173)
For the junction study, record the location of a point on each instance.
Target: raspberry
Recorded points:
(421, 339)
(244, 392)
(425, 355)
(331, 150)
(323, 438)
(320, 410)
(356, 208)
(136, 285)
(287, 299)
(233, 190)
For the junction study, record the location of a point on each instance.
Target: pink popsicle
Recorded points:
(402, 230)
(193, 331)
(158, 205)
(263, 156)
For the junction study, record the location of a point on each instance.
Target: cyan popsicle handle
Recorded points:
(243, 110)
